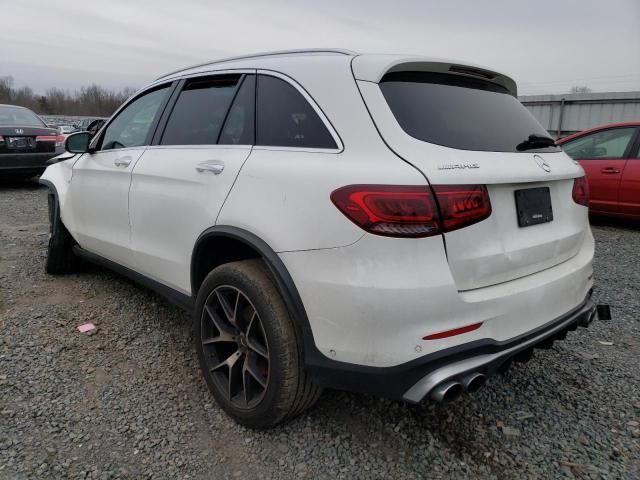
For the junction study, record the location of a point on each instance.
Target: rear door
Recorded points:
(182, 180)
(603, 155)
(630, 183)
(466, 130)
(98, 196)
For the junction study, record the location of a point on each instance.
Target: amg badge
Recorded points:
(459, 166)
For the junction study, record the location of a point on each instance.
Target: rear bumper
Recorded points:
(25, 163)
(416, 380)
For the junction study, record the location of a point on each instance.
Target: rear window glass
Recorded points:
(285, 118)
(19, 117)
(200, 110)
(459, 112)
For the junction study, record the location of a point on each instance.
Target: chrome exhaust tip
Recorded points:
(446, 392)
(586, 319)
(473, 382)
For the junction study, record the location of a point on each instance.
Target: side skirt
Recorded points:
(178, 298)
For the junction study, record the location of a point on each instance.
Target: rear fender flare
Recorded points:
(279, 272)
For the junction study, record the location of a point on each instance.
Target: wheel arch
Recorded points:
(222, 244)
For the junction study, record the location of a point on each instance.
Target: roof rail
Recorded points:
(263, 54)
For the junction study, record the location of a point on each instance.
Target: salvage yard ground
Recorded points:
(129, 401)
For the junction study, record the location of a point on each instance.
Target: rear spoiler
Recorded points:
(372, 68)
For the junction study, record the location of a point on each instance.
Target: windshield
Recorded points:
(10, 116)
(460, 112)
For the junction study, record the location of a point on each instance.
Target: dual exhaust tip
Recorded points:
(450, 391)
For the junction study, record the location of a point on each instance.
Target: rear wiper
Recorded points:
(536, 141)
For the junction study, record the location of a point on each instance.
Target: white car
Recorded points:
(388, 224)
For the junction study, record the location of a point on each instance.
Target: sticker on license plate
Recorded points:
(533, 206)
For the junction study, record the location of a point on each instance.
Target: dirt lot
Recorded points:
(129, 401)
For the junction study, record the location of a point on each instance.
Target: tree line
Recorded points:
(92, 100)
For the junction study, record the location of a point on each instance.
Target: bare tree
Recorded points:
(92, 100)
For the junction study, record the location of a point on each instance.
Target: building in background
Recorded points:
(568, 113)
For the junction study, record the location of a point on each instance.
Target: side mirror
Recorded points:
(78, 142)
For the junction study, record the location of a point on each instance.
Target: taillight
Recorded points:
(412, 211)
(581, 191)
(462, 205)
(46, 138)
(60, 140)
(389, 210)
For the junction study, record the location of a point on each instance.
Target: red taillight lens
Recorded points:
(462, 205)
(60, 140)
(581, 191)
(389, 210)
(412, 211)
(46, 138)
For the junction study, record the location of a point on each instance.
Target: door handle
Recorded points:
(609, 171)
(122, 162)
(215, 168)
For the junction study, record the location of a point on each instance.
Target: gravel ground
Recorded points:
(129, 401)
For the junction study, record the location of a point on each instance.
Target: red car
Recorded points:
(611, 159)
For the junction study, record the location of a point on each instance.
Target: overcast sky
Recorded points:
(546, 45)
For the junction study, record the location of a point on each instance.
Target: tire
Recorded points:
(255, 371)
(60, 257)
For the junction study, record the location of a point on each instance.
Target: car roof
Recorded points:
(367, 67)
(13, 106)
(562, 140)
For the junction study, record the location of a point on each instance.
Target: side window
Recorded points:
(239, 126)
(604, 144)
(285, 118)
(131, 127)
(199, 112)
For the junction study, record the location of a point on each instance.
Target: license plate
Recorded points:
(533, 206)
(21, 142)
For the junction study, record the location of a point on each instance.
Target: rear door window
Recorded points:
(460, 112)
(240, 123)
(285, 118)
(611, 144)
(200, 111)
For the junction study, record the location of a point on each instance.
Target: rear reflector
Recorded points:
(46, 138)
(581, 191)
(412, 211)
(454, 332)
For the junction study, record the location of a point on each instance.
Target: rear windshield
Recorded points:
(460, 112)
(10, 116)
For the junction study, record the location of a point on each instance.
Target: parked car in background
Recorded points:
(610, 156)
(66, 129)
(388, 224)
(26, 143)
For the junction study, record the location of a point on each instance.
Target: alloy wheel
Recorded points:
(235, 346)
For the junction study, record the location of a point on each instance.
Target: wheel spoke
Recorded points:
(229, 362)
(251, 368)
(252, 342)
(219, 323)
(229, 310)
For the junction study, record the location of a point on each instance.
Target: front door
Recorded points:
(181, 181)
(602, 154)
(99, 189)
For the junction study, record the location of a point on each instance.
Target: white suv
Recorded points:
(395, 225)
